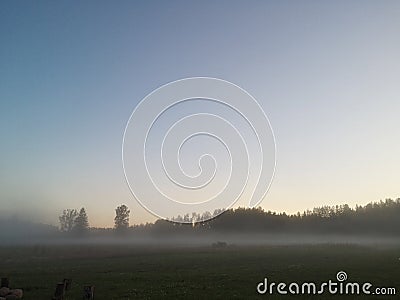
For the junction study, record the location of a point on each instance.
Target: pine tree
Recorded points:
(81, 222)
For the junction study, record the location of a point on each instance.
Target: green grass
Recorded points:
(134, 272)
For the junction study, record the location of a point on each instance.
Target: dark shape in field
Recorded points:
(219, 245)
(4, 291)
(5, 282)
(88, 292)
(59, 294)
(9, 294)
(67, 282)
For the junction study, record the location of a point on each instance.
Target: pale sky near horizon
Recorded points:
(327, 74)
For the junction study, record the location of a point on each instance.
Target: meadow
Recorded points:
(165, 272)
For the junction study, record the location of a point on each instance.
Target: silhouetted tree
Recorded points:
(81, 222)
(121, 219)
(67, 220)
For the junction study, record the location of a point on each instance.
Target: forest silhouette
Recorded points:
(377, 219)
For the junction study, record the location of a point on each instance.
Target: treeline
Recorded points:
(378, 218)
(374, 219)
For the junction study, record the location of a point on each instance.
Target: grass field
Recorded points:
(137, 272)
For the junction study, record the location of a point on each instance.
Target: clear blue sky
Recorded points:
(326, 72)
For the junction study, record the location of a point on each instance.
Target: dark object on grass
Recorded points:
(67, 282)
(5, 282)
(4, 291)
(88, 292)
(60, 291)
(219, 245)
(16, 293)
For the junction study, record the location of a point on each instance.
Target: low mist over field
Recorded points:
(375, 223)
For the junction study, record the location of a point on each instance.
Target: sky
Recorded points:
(326, 73)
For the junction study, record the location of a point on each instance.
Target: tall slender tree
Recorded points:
(121, 219)
(81, 222)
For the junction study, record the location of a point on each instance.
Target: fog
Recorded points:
(374, 224)
(17, 232)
